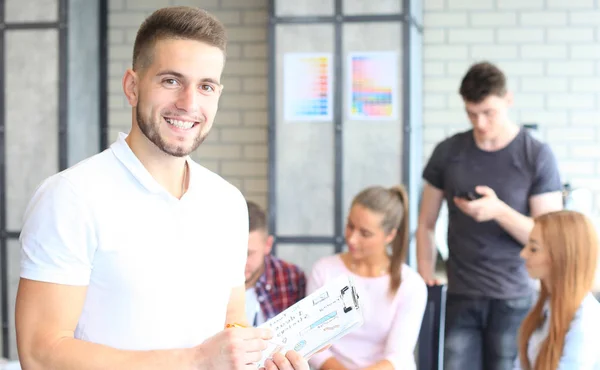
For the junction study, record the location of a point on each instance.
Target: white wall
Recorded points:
(549, 50)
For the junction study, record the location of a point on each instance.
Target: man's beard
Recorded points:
(151, 131)
(255, 275)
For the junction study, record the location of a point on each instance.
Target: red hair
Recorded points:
(572, 245)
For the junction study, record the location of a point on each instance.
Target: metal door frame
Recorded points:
(410, 148)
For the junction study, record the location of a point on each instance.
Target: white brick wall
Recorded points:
(549, 50)
(236, 148)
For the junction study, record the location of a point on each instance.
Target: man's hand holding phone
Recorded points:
(482, 204)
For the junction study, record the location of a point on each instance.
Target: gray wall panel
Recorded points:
(31, 10)
(372, 148)
(304, 150)
(304, 255)
(362, 7)
(31, 94)
(303, 8)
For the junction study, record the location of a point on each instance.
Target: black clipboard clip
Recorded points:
(351, 302)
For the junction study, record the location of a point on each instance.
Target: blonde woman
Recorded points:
(562, 331)
(393, 295)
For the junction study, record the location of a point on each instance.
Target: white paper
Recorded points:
(307, 87)
(372, 86)
(321, 318)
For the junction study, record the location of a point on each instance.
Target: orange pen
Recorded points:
(234, 325)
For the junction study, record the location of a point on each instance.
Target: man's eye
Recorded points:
(170, 82)
(208, 88)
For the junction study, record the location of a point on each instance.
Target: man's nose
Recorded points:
(188, 100)
(481, 121)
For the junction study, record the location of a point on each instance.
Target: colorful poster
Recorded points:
(372, 86)
(307, 87)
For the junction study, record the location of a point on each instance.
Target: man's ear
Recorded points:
(269, 244)
(131, 87)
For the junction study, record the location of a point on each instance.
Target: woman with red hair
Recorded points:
(562, 330)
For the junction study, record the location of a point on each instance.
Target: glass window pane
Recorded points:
(362, 7)
(293, 8)
(304, 255)
(31, 121)
(31, 11)
(304, 162)
(372, 131)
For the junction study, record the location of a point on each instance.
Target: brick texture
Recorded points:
(237, 146)
(549, 51)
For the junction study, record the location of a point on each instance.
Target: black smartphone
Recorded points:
(469, 195)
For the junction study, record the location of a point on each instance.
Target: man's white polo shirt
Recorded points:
(159, 270)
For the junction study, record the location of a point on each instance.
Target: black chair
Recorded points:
(431, 338)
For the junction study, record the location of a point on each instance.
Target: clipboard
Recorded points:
(316, 321)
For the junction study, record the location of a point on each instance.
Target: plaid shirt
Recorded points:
(281, 285)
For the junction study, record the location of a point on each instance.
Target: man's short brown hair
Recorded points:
(257, 218)
(177, 22)
(482, 80)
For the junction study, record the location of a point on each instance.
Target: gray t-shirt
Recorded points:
(483, 258)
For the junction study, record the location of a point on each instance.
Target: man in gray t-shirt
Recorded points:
(495, 178)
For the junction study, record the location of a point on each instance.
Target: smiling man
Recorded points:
(494, 177)
(134, 258)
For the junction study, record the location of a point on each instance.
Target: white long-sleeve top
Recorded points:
(391, 323)
(580, 350)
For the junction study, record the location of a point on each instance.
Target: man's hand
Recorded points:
(483, 209)
(291, 361)
(233, 348)
(431, 281)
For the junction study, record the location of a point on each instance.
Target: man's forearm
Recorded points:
(74, 354)
(426, 252)
(516, 224)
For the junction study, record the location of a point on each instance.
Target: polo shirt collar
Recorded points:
(125, 155)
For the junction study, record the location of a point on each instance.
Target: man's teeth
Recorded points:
(180, 124)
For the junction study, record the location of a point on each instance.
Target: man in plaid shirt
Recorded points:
(272, 285)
